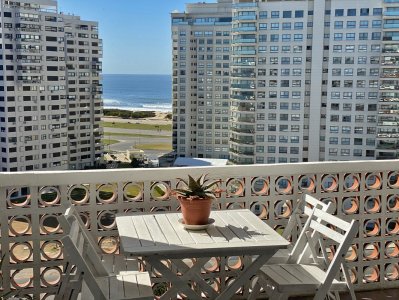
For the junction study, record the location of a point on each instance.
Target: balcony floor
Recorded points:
(391, 294)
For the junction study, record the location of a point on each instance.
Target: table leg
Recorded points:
(180, 283)
(244, 276)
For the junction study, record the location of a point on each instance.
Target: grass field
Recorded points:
(107, 142)
(159, 146)
(135, 135)
(136, 126)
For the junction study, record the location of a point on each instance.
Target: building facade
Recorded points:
(309, 80)
(50, 88)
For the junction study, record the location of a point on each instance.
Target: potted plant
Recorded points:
(195, 197)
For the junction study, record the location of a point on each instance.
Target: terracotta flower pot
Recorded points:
(197, 211)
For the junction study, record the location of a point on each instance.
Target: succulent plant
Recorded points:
(199, 188)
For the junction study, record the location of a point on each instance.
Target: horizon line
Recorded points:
(134, 74)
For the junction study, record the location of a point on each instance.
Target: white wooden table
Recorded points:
(160, 236)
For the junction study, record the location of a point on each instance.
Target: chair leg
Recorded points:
(255, 290)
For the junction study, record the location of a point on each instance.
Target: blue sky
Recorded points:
(136, 33)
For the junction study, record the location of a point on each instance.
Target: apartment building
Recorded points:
(309, 80)
(50, 88)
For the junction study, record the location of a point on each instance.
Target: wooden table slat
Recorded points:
(142, 231)
(127, 232)
(230, 236)
(154, 229)
(183, 234)
(168, 230)
(248, 221)
(235, 226)
(268, 232)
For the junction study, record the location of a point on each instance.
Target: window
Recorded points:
(363, 36)
(377, 11)
(348, 72)
(338, 24)
(364, 11)
(351, 24)
(362, 60)
(287, 14)
(376, 23)
(274, 37)
(364, 24)
(339, 12)
(299, 14)
(262, 26)
(263, 15)
(336, 72)
(362, 48)
(337, 60)
(275, 26)
(298, 37)
(351, 12)
(298, 25)
(333, 141)
(350, 36)
(286, 26)
(376, 36)
(275, 14)
(337, 36)
(286, 37)
(337, 48)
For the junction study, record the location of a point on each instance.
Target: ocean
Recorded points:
(138, 92)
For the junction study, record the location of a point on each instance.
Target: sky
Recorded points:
(136, 33)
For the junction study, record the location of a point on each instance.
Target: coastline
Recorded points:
(159, 119)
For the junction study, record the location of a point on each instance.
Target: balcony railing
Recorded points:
(367, 191)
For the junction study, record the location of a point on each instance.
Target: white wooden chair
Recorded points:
(113, 263)
(86, 272)
(297, 278)
(304, 208)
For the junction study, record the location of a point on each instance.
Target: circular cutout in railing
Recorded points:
(18, 197)
(353, 275)
(20, 225)
(393, 180)
(51, 250)
(392, 272)
(21, 252)
(106, 220)
(51, 276)
(284, 185)
(371, 251)
(371, 228)
(373, 181)
(260, 186)
(212, 265)
(49, 224)
(372, 204)
(259, 209)
(79, 194)
(333, 204)
(235, 187)
(329, 183)
(133, 192)
(351, 182)
(107, 193)
(393, 203)
(234, 263)
(371, 274)
(392, 249)
(307, 183)
(350, 205)
(392, 226)
(22, 278)
(351, 254)
(282, 209)
(109, 244)
(161, 190)
(49, 196)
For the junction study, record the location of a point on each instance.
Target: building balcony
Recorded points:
(367, 191)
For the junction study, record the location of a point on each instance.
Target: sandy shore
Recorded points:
(158, 119)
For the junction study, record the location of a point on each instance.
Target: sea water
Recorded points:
(138, 92)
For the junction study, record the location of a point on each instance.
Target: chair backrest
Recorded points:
(72, 220)
(323, 229)
(305, 207)
(75, 246)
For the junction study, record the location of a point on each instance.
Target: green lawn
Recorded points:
(136, 126)
(135, 135)
(159, 146)
(107, 142)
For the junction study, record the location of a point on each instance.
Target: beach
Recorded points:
(152, 135)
